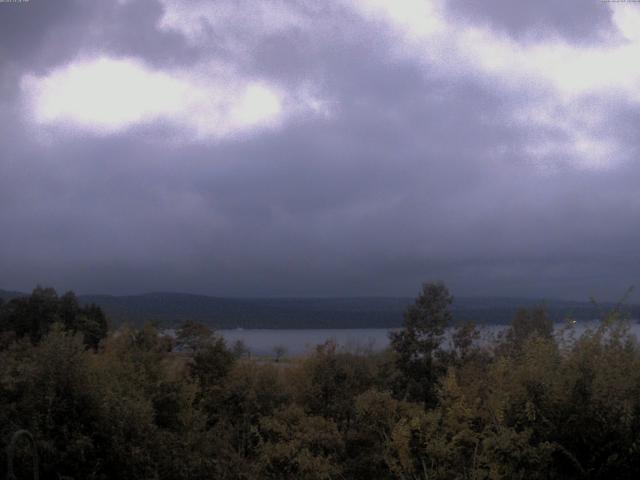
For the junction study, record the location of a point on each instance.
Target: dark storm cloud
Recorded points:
(40, 34)
(25, 26)
(413, 174)
(575, 20)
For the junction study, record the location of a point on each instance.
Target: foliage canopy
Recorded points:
(439, 404)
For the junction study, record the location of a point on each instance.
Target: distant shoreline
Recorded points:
(170, 309)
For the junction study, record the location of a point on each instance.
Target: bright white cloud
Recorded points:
(574, 132)
(258, 104)
(248, 20)
(417, 19)
(104, 94)
(108, 95)
(627, 20)
(571, 69)
(564, 72)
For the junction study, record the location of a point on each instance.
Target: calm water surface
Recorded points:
(297, 342)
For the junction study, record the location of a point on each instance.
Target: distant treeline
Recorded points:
(170, 309)
(132, 403)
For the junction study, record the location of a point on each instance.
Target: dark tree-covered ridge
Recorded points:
(171, 309)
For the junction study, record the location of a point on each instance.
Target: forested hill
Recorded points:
(172, 308)
(8, 295)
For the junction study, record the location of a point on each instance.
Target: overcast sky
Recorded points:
(339, 147)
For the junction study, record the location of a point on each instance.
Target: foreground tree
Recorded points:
(527, 323)
(531, 406)
(33, 316)
(418, 343)
(192, 336)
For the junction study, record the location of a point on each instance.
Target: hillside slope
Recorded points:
(358, 312)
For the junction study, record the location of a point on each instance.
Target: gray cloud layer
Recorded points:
(416, 173)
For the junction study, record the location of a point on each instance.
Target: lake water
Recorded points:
(297, 342)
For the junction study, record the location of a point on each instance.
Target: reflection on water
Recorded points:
(297, 342)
